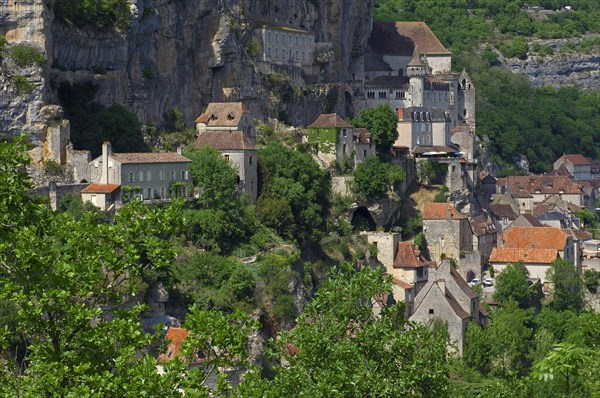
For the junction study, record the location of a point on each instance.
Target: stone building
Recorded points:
(447, 297)
(330, 134)
(285, 49)
(447, 231)
(577, 165)
(228, 127)
(150, 175)
(408, 68)
(536, 247)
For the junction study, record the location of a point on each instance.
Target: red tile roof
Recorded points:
(481, 225)
(329, 120)
(534, 237)
(577, 159)
(223, 114)
(439, 211)
(503, 210)
(176, 337)
(540, 184)
(408, 256)
(224, 140)
(400, 38)
(402, 284)
(101, 188)
(150, 157)
(527, 255)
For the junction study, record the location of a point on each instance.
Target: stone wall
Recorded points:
(341, 185)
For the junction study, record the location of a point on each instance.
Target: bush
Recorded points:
(100, 14)
(22, 83)
(590, 278)
(25, 55)
(253, 47)
(52, 167)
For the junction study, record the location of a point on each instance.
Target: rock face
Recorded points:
(562, 68)
(179, 54)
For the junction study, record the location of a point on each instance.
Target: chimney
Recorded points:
(449, 213)
(179, 150)
(106, 152)
(400, 114)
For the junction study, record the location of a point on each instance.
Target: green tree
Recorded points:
(382, 123)
(294, 177)
(512, 284)
(374, 178)
(337, 349)
(567, 293)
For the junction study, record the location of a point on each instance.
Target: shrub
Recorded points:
(52, 167)
(100, 14)
(590, 278)
(253, 47)
(22, 83)
(148, 74)
(25, 55)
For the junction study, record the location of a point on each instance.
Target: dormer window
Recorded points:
(213, 116)
(230, 116)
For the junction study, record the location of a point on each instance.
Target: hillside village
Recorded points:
(484, 223)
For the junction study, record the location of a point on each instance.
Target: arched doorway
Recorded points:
(470, 276)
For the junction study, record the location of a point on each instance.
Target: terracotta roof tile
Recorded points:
(545, 184)
(224, 140)
(439, 211)
(100, 188)
(561, 171)
(329, 120)
(176, 337)
(404, 285)
(503, 210)
(150, 157)
(481, 225)
(400, 38)
(528, 255)
(408, 256)
(223, 114)
(534, 237)
(577, 159)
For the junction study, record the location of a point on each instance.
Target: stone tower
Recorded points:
(466, 100)
(416, 71)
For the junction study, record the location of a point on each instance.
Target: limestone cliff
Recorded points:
(178, 54)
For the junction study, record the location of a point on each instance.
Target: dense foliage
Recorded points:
(92, 123)
(293, 184)
(373, 178)
(100, 14)
(382, 122)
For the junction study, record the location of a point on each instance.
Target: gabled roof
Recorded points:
(101, 188)
(462, 284)
(224, 140)
(482, 225)
(150, 157)
(458, 310)
(400, 38)
(503, 210)
(439, 211)
(540, 184)
(577, 159)
(223, 114)
(404, 285)
(329, 120)
(486, 178)
(561, 171)
(526, 220)
(408, 256)
(362, 136)
(375, 62)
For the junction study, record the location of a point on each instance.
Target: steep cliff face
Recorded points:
(179, 54)
(561, 68)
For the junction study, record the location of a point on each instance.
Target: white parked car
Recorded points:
(474, 282)
(488, 282)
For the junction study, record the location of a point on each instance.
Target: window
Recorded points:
(162, 193)
(141, 175)
(370, 94)
(250, 161)
(149, 193)
(226, 157)
(297, 53)
(344, 148)
(162, 175)
(364, 153)
(431, 311)
(149, 175)
(131, 177)
(269, 51)
(419, 272)
(184, 191)
(183, 175)
(303, 56)
(383, 94)
(344, 133)
(172, 175)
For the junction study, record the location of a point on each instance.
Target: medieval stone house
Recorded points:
(228, 127)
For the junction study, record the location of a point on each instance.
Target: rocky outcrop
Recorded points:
(180, 54)
(561, 68)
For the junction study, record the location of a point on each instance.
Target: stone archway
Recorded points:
(362, 220)
(470, 276)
